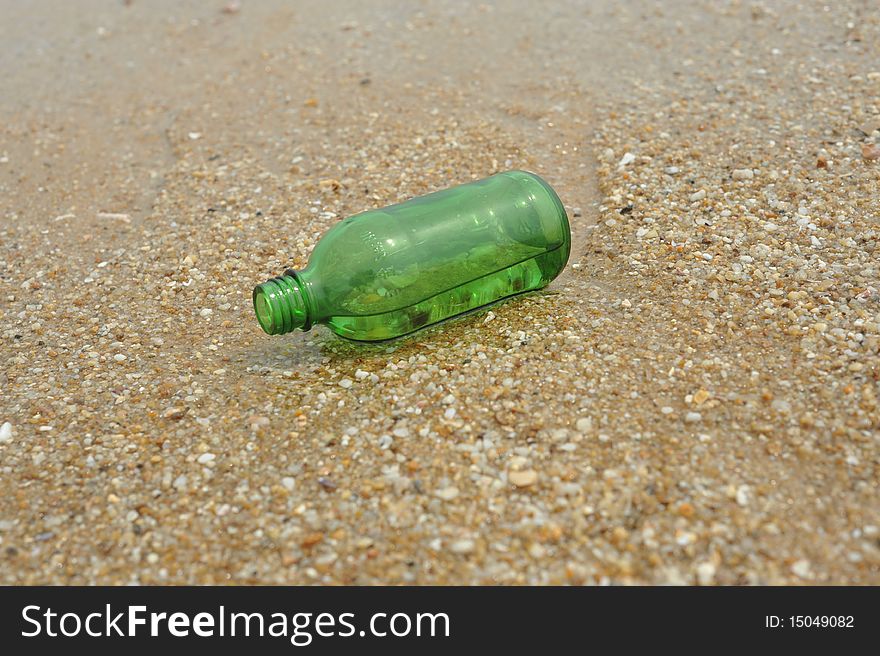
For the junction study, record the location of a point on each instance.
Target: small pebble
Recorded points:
(705, 573)
(447, 493)
(327, 483)
(537, 550)
(174, 413)
(801, 568)
(584, 424)
(523, 478)
(462, 546)
(626, 160)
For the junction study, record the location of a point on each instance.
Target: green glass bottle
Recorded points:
(387, 272)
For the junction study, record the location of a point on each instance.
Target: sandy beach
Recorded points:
(693, 401)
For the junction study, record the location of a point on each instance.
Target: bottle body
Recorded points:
(387, 272)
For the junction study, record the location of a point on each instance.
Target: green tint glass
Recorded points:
(387, 272)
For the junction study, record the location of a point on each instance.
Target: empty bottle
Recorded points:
(387, 272)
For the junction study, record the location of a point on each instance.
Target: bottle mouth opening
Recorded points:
(265, 315)
(279, 306)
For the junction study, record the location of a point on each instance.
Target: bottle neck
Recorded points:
(283, 305)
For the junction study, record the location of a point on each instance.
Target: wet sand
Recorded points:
(694, 400)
